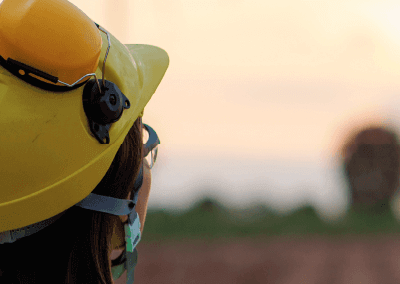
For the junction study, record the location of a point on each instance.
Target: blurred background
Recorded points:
(258, 116)
(260, 95)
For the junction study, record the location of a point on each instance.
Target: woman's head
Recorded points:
(371, 161)
(58, 138)
(76, 248)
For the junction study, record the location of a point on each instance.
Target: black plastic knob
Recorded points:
(103, 108)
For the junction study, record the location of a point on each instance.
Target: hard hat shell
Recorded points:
(50, 160)
(54, 36)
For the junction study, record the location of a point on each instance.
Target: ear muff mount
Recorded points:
(103, 108)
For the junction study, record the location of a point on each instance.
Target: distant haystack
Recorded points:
(371, 165)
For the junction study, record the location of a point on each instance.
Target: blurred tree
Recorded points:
(371, 164)
(208, 205)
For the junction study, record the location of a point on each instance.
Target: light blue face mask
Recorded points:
(126, 207)
(129, 257)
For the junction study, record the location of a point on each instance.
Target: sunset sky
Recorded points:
(259, 94)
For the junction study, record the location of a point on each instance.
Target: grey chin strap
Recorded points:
(14, 235)
(93, 201)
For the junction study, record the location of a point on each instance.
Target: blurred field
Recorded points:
(213, 244)
(276, 260)
(209, 219)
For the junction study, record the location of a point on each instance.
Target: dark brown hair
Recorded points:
(76, 248)
(372, 165)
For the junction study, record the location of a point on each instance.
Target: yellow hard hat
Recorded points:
(59, 129)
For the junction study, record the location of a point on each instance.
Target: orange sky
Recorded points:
(281, 76)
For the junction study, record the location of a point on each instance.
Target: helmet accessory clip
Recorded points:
(103, 101)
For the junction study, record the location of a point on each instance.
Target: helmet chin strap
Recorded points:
(141, 135)
(13, 235)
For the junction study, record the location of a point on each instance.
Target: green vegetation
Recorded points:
(209, 219)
